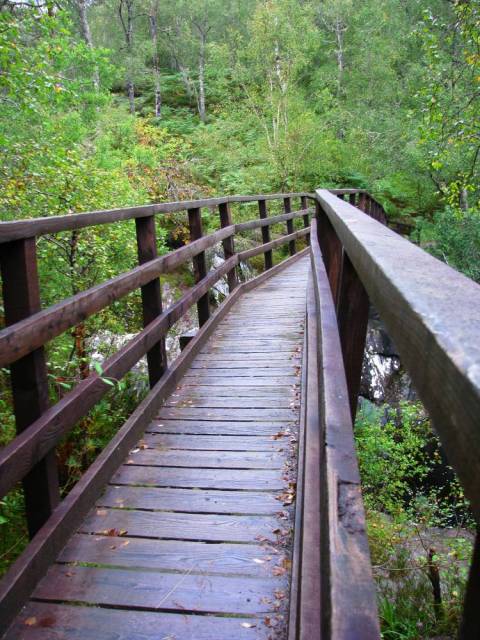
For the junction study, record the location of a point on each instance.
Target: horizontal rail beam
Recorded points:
(20, 455)
(432, 313)
(250, 253)
(266, 222)
(33, 332)
(18, 229)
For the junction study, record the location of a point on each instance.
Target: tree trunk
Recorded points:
(201, 77)
(156, 65)
(339, 30)
(127, 24)
(87, 36)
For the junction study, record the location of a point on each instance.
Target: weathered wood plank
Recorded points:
(251, 560)
(191, 500)
(258, 415)
(219, 427)
(157, 591)
(260, 479)
(242, 442)
(180, 526)
(48, 621)
(206, 459)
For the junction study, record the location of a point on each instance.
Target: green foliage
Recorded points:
(418, 520)
(454, 237)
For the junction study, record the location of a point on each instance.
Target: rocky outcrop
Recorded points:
(383, 377)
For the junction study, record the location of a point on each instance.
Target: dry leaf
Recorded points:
(32, 621)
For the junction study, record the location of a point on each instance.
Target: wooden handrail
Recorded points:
(432, 313)
(35, 227)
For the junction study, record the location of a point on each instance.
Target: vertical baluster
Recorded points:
(306, 218)
(341, 196)
(352, 315)
(331, 250)
(287, 206)
(151, 296)
(199, 263)
(228, 243)
(352, 198)
(262, 208)
(21, 295)
(362, 201)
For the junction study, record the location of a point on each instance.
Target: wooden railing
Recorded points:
(433, 315)
(30, 456)
(431, 312)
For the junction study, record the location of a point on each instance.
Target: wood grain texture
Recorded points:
(48, 621)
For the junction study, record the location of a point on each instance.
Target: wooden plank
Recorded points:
(151, 296)
(48, 621)
(254, 372)
(237, 402)
(157, 591)
(213, 443)
(181, 526)
(206, 459)
(259, 480)
(190, 500)
(256, 415)
(241, 391)
(219, 427)
(21, 296)
(172, 555)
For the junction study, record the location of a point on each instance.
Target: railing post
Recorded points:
(306, 221)
(228, 244)
(331, 250)
(151, 296)
(352, 198)
(199, 263)
(21, 296)
(352, 315)
(287, 206)
(362, 201)
(262, 208)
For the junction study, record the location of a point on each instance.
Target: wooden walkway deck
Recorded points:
(192, 539)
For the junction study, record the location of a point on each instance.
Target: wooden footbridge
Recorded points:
(228, 506)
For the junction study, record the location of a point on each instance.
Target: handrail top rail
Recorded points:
(32, 227)
(432, 313)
